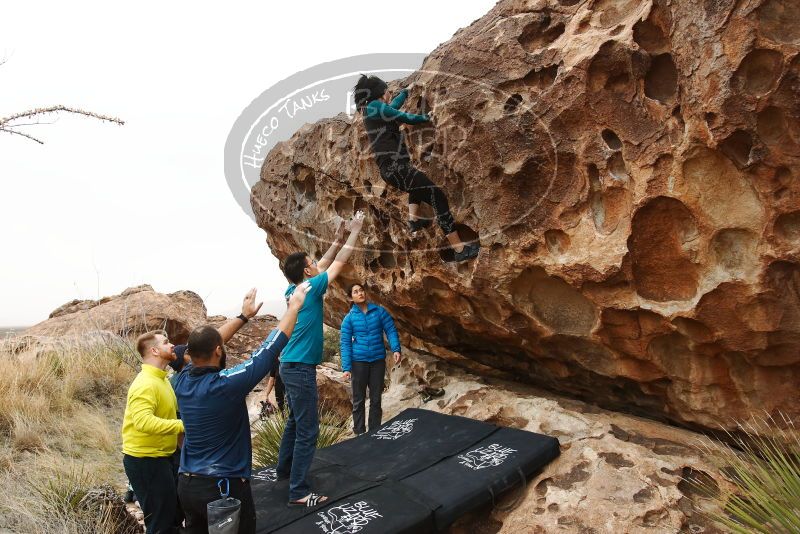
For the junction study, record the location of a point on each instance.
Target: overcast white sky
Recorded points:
(100, 207)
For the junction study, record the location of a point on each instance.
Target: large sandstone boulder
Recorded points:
(134, 311)
(631, 170)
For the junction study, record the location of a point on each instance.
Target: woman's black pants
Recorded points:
(401, 174)
(367, 375)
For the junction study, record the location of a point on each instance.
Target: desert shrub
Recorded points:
(72, 502)
(330, 347)
(762, 465)
(269, 431)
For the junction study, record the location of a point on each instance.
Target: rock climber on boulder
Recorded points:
(382, 119)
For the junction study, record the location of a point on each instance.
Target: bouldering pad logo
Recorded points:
(347, 518)
(269, 474)
(396, 430)
(488, 456)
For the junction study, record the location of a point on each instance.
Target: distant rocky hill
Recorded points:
(7, 331)
(139, 309)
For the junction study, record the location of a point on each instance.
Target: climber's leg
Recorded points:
(433, 195)
(414, 222)
(390, 174)
(396, 173)
(422, 189)
(401, 174)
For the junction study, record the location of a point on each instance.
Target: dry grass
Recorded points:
(60, 413)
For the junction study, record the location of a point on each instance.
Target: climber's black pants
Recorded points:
(403, 175)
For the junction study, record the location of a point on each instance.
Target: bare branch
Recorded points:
(23, 134)
(55, 109)
(8, 126)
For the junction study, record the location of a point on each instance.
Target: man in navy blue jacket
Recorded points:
(364, 354)
(211, 400)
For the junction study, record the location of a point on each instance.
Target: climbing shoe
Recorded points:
(469, 251)
(434, 392)
(419, 224)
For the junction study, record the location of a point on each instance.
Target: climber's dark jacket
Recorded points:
(382, 122)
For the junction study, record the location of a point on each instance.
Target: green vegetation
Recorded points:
(330, 347)
(763, 468)
(268, 432)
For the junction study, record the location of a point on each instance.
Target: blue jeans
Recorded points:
(299, 440)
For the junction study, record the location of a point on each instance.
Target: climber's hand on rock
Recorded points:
(346, 375)
(357, 221)
(397, 358)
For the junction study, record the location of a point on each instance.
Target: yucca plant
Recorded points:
(762, 464)
(71, 502)
(268, 433)
(62, 493)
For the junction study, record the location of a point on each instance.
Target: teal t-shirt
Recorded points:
(305, 345)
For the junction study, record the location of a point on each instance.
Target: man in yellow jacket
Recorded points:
(150, 427)
(150, 431)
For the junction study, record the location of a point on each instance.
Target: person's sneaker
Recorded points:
(467, 253)
(419, 224)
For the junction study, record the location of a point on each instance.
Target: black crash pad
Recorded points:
(481, 472)
(406, 444)
(419, 472)
(378, 510)
(271, 495)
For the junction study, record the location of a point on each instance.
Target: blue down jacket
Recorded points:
(361, 336)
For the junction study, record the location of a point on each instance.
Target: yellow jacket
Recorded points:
(150, 427)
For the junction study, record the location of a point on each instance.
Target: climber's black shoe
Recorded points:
(433, 392)
(469, 251)
(419, 224)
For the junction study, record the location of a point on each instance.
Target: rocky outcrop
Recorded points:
(616, 473)
(248, 338)
(631, 171)
(134, 311)
(335, 392)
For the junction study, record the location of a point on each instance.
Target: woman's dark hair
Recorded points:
(352, 286)
(367, 89)
(293, 267)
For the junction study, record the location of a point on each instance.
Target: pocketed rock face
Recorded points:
(630, 168)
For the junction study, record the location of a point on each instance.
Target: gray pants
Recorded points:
(367, 375)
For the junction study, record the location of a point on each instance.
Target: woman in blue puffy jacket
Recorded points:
(364, 354)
